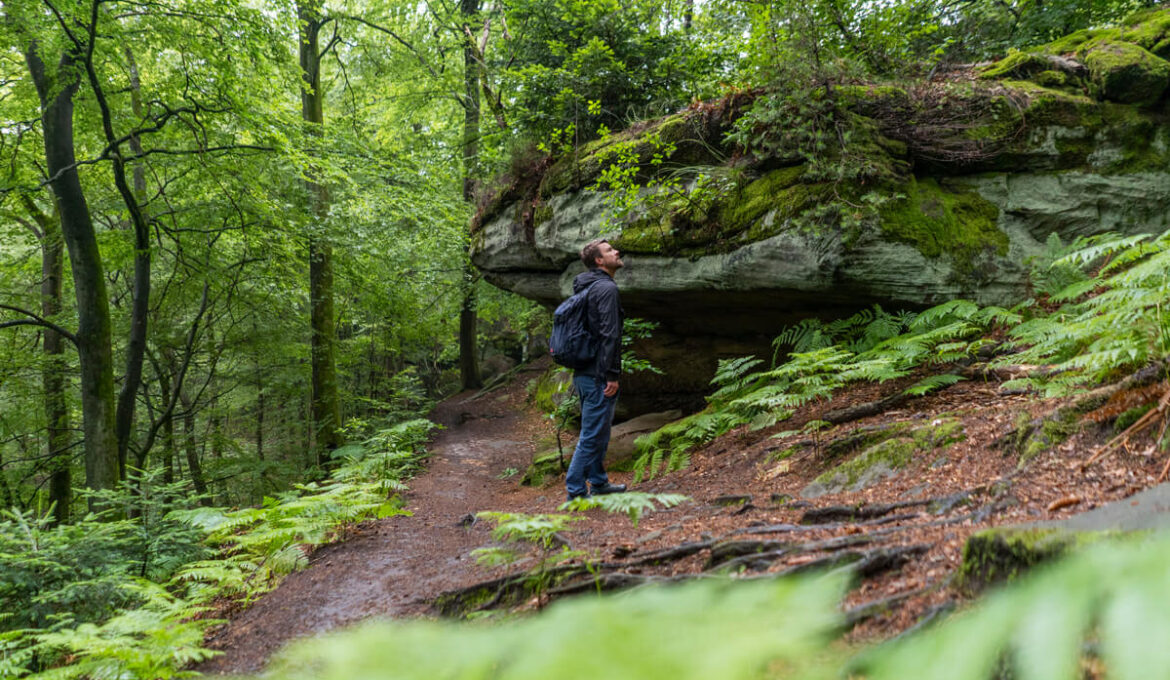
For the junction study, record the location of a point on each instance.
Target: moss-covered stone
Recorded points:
(1125, 72)
(1053, 79)
(1073, 41)
(1020, 65)
(862, 438)
(1130, 417)
(891, 454)
(1148, 28)
(749, 204)
(676, 137)
(1125, 64)
(541, 213)
(1036, 436)
(948, 431)
(549, 390)
(938, 221)
(757, 210)
(545, 466)
(886, 450)
(998, 555)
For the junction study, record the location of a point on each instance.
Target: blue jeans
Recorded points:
(596, 419)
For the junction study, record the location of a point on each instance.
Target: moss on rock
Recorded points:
(1125, 64)
(892, 454)
(1016, 64)
(1125, 72)
(998, 555)
(1034, 437)
(544, 466)
(939, 436)
(1149, 28)
(1070, 43)
(549, 390)
(938, 221)
(894, 449)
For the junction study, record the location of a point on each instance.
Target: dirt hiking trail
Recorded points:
(394, 566)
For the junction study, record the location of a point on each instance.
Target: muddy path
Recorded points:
(394, 566)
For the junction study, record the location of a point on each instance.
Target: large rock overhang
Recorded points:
(1066, 154)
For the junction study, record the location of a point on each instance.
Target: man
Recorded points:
(597, 385)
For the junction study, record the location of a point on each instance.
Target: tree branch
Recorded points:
(402, 41)
(36, 320)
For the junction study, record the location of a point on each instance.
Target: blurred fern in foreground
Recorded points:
(1103, 608)
(703, 631)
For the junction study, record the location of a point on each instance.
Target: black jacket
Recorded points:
(605, 315)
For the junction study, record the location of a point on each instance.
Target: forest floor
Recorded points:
(904, 534)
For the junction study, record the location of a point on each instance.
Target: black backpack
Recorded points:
(571, 344)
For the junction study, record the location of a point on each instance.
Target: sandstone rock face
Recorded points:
(1041, 157)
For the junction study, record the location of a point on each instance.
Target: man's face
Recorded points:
(609, 259)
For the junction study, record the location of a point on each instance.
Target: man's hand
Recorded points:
(611, 388)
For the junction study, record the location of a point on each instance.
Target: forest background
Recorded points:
(234, 235)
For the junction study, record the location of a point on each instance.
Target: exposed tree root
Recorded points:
(1152, 418)
(885, 605)
(852, 513)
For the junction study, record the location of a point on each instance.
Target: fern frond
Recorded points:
(932, 383)
(946, 313)
(631, 503)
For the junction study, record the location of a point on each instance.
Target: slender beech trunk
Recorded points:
(168, 430)
(140, 307)
(89, 284)
(326, 405)
(6, 498)
(53, 378)
(259, 410)
(192, 449)
(468, 315)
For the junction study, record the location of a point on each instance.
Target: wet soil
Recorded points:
(393, 567)
(396, 567)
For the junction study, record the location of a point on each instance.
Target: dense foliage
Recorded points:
(128, 597)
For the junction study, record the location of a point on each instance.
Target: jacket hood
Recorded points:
(589, 277)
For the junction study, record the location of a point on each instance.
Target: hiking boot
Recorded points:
(577, 495)
(606, 489)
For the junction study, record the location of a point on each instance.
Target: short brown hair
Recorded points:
(591, 251)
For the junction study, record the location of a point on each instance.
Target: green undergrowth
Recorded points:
(131, 598)
(1105, 316)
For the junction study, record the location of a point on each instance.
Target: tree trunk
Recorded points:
(140, 308)
(53, 374)
(89, 283)
(192, 449)
(167, 425)
(259, 421)
(468, 315)
(326, 405)
(6, 497)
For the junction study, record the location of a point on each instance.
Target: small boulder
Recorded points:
(623, 435)
(1126, 73)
